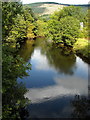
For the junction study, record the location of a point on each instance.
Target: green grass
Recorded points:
(82, 46)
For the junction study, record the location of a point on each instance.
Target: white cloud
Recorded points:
(73, 83)
(59, 1)
(69, 85)
(63, 87)
(43, 94)
(40, 61)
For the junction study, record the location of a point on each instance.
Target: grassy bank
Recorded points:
(82, 47)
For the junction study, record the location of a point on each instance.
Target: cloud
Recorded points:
(73, 83)
(47, 93)
(40, 61)
(64, 87)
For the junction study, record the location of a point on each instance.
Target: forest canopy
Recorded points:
(64, 25)
(15, 26)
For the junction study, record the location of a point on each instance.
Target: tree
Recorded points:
(12, 92)
(40, 28)
(10, 10)
(20, 26)
(64, 31)
(74, 11)
(13, 66)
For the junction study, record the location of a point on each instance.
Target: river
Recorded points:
(54, 79)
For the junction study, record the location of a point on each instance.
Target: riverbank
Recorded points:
(82, 48)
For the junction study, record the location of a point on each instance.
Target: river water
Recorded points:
(54, 79)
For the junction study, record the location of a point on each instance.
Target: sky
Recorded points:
(58, 1)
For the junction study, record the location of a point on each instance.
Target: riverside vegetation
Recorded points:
(19, 23)
(64, 28)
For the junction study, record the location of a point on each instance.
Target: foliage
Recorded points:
(16, 23)
(84, 32)
(82, 46)
(74, 11)
(30, 31)
(64, 31)
(64, 25)
(45, 17)
(13, 93)
(40, 27)
(10, 11)
(18, 32)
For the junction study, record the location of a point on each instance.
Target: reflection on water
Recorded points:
(54, 79)
(81, 105)
(27, 50)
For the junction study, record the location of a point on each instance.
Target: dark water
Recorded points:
(55, 80)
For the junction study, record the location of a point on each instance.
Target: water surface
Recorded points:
(54, 80)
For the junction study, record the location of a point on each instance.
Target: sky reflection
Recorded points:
(63, 87)
(40, 61)
(46, 82)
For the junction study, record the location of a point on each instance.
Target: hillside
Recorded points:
(47, 8)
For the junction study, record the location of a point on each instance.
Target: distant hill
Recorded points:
(44, 8)
(47, 8)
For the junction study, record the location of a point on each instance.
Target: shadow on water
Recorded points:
(54, 80)
(81, 107)
(27, 49)
(64, 107)
(62, 63)
(56, 108)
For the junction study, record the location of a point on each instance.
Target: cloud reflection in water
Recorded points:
(65, 86)
(40, 61)
(68, 87)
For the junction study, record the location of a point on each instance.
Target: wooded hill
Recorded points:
(47, 8)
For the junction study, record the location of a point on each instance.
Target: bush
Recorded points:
(64, 31)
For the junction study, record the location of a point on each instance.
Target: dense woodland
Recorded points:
(19, 23)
